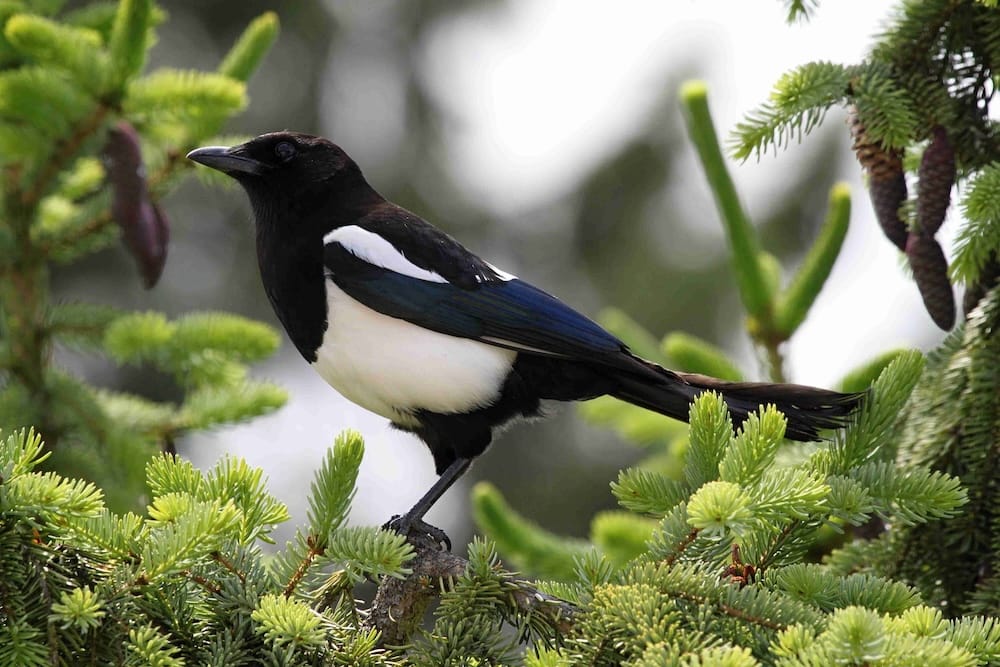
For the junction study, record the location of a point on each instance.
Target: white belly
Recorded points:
(392, 367)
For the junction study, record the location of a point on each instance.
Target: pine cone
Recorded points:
(888, 196)
(145, 230)
(930, 271)
(887, 182)
(988, 278)
(937, 175)
(878, 161)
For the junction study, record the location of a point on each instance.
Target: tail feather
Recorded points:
(807, 409)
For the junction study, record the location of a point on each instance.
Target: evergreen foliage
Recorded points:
(722, 570)
(951, 425)
(925, 90)
(873, 546)
(900, 503)
(189, 583)
(68, 81)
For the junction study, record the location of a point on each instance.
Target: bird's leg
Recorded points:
(414, 519)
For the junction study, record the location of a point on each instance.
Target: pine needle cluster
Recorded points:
(710, 563)
(188, 584)
(952, 425)
(89, 145)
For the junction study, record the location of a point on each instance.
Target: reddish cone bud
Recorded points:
(148, 242)
(937, 175)
(930, 271)
(145, 230)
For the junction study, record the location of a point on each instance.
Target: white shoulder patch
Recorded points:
(503, 275)
(374, 249)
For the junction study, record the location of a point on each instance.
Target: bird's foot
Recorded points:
(406, 526)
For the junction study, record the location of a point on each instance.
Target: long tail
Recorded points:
(808, 409)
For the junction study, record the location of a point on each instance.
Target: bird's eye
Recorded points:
(285, 151)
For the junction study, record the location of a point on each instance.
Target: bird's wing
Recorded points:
(498, 309)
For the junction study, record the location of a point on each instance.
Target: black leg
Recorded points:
(414, 519)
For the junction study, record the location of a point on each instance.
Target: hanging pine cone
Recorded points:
(887, 182)
(930, 271)
(145, 230)
(937, 175)
(887, 197)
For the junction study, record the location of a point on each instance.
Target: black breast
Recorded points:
(292, 272)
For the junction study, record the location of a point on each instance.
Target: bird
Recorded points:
(403, 320)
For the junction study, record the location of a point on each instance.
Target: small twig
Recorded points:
(728, 610)
(209, 586)
(221, 560)
(315, 550)
(66, 150)
(775, 361)
(400, 604)
(681, 546)
(768, 556)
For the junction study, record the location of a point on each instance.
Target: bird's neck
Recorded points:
(345, 200)
(290, 233)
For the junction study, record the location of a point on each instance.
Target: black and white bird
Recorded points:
(401, 319)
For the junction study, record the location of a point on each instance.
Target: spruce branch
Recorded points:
(800, 10)
(527, 545)
(681, 546)
(862, 377)
(979, 238)
(130, 37)
(740, 233)
(795, 302)
(66, 150)
(399, 604)
(246, 54)
(797, 105)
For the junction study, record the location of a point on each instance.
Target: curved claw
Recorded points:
(406, 526)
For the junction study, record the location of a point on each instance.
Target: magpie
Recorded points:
(403, 320)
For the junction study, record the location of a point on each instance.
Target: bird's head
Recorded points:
(290, 163)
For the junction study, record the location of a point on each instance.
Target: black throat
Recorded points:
(290, 230)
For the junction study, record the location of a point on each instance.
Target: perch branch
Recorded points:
(399, 604)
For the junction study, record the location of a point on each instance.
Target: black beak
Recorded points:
(226, 160)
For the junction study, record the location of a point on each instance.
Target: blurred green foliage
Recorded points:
(89, 145)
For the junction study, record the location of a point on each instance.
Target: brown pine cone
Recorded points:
(888, 196)
(887, 181)
(877, 160)
(937, 175)
(930, 271)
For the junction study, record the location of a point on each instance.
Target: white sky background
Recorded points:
(539, 92)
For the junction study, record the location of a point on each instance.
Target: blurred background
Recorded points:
(546, 136)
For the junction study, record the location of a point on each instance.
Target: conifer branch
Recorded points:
(726, 609)
(684, 544)
(741, 234)
(766, 558)
(399, 604)
(65, 151)
(314, 551)
(224, 562)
